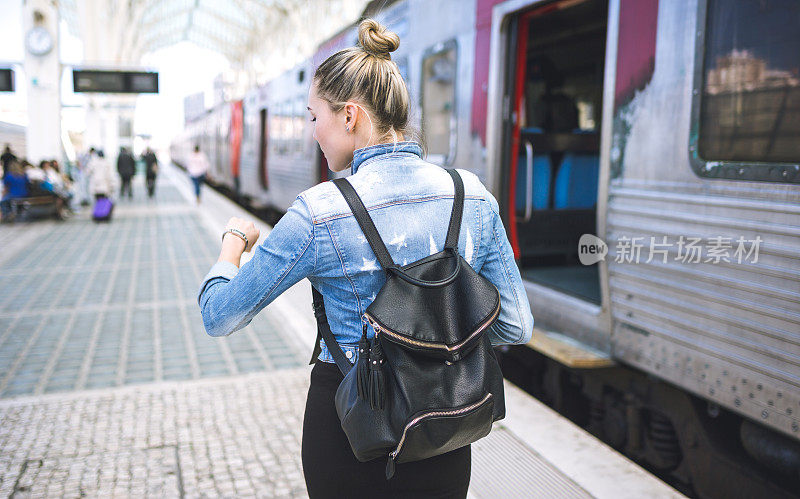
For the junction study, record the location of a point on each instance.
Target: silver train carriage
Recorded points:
(668, 130)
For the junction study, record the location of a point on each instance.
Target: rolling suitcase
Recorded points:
(102, 210)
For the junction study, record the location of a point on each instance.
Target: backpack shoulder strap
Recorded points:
(324, 331)
(458, 209)
(365, 222)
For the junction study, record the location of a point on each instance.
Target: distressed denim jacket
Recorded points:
(410, 201)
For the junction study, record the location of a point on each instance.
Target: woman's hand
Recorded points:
(245, 226)
(232, 245)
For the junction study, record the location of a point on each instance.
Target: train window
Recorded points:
(746, 109)
(438, 101)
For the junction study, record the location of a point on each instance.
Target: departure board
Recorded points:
(118, 82)
(6, 80)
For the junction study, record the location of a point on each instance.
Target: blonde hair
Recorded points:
(367, 75)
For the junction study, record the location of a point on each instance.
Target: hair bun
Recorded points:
(376, 40)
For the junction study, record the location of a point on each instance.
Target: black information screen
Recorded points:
(122, 82)
(6, 80)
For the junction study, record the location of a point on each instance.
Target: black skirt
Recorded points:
(331, 469)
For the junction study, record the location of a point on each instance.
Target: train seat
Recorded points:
(576, 181)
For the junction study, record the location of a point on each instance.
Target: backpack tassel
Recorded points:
(362, 372)
(377, 382)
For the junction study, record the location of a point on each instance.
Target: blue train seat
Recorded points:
(542, 172)
(576, 181)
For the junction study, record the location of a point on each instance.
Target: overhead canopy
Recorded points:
(244, 31)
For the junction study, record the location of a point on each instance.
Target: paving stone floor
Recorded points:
(237, 436)
(88, 305)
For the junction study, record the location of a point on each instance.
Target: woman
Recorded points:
(359, 104)
(197, 166)
(59, 182)
(102, 179)
(151, 170)
(126, 167)
(15, 186)
(36, 175)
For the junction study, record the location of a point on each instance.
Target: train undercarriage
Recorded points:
(696, 446)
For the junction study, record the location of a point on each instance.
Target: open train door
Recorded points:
(550, 162)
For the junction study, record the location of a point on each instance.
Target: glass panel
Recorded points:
(438, 103)
(284, 129)
(750, 105)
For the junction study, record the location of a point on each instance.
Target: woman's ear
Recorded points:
(350, 116)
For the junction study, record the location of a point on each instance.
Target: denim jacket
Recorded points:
(410, 201)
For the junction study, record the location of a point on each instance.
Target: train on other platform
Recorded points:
(667, 131)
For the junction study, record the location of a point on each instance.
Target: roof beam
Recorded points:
(201, 42)
(223, 46)
(123, 30)
(133, 31)
(232, 25)
(166, 32)
(250, 6)
(154, 20)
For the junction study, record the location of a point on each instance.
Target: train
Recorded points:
(645, 155)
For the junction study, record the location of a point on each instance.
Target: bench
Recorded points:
(34, 206)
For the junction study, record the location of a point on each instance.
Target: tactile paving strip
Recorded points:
(503, 466)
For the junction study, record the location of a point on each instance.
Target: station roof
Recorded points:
(124, 30)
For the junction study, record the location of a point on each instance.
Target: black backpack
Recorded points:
(428, 383)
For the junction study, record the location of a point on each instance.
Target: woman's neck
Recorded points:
(388, 139)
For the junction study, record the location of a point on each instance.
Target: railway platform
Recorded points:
(109, 385)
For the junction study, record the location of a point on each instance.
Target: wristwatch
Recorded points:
(238, 233)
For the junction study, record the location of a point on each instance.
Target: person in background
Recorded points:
(101, 177)
(62, 172)
(126, 167)
(151, 170)
(82, 176)
(197, 166)
(36, 176)
(53, 186)
(7, 158)
(15, 185)
(52, 175)
(59, 181)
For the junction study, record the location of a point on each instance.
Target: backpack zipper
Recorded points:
(426, 344)
(454, 412)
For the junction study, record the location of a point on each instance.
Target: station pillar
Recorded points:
(43, 79)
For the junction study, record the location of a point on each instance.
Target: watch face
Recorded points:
(39, 41)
